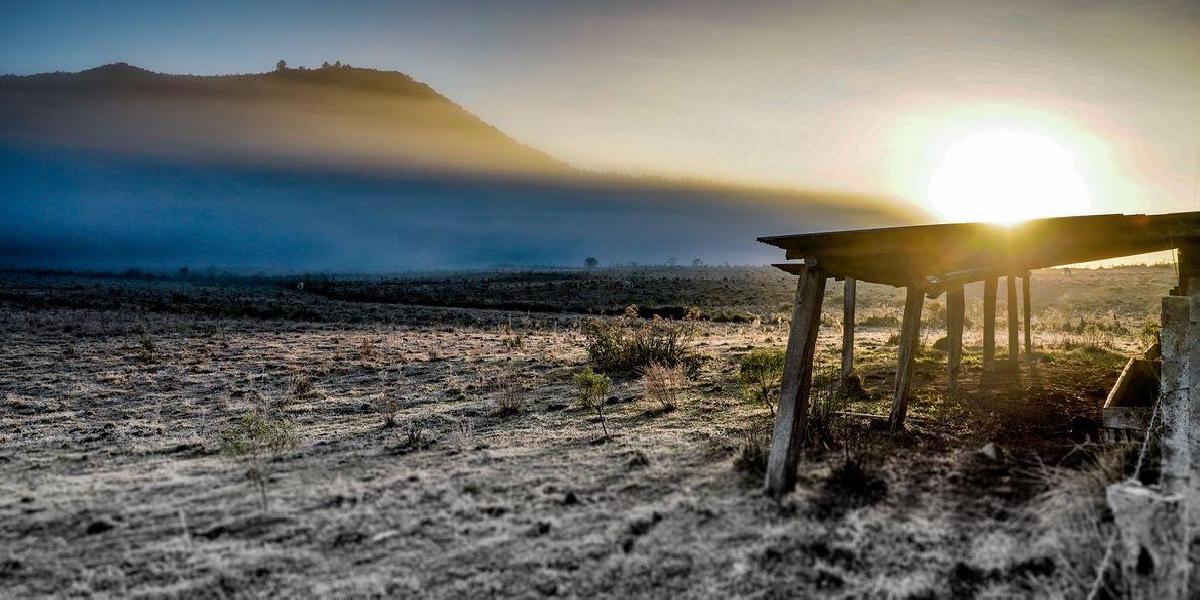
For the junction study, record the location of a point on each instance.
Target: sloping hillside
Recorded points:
(329, 117)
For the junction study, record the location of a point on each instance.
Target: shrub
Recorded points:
(387, 406)
(760, 374)
(299, 386)
(256, 441)
(753, 452)
(664, 384)
(627, 343)
(509, 395)
(592, 389)
(147, 351)
(851, 484)
(463, 435)
(416, 438)
(510, 338)
(825, 400)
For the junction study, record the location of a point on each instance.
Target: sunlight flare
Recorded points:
(1005, 176)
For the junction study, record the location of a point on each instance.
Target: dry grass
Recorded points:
(664, 384)
(509, 394)
(105, 454)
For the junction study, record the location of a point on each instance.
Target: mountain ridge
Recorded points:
(335, 115)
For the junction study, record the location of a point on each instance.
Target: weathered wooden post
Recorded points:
(956, 307)
(849, 294)
(1028, 316)
(1180, 342)
(1180, 379)
(910, 334)
(1011, 301)
(1153, 524)
(792, 416)
(989, 322)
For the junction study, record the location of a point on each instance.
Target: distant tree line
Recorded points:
(591, 262)
(337, 64)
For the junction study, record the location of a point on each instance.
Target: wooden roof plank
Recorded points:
(905, 254)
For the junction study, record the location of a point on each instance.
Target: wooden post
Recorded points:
(956, 308)
(792, 416)
(1028, 316)
(989, 322)
(910, 334)
(1013, 340)
(1178, 382)
(848, 330)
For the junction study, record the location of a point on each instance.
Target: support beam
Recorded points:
(1028, 316)
(910, 334)
(956, 309)
(848, 330)
(989, 322)
(1013, 339)
(1188, 266)
(792, 416)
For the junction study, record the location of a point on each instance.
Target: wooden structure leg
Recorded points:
(956, 309)
(848, 330)
(1013, 339)
(792, 416)
(1028, 316)
(910, 333)
(989, 322)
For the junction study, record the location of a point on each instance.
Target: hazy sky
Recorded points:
(852, 96)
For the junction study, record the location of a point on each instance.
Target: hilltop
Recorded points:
(328, 117)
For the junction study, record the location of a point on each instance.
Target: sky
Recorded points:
(866, 97)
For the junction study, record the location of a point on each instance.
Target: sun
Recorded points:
(1005, 176)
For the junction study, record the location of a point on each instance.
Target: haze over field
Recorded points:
(339, 169)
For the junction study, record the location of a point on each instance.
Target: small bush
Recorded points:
(825, 400)
(511, 339)
(416, 438)
(509, 395)
(300, 387)
(880, 321)
(592, 389)
(851, 484)
(463, 435)
(664, 384)
(627, 343)
(760, 373)
(147, 350)
(365, 348)
(256, 441)
(753, 453)
(387, 407)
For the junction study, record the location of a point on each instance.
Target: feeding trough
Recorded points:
(1130, 402)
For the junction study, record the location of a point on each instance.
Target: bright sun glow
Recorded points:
(1005, 177)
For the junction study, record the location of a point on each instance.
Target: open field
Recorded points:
(117, 394)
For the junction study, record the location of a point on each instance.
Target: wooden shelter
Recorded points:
(929, 260)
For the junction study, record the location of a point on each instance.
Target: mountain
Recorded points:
(333, 117)
(341, 169)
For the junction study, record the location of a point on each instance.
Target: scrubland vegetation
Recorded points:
(202, 438)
